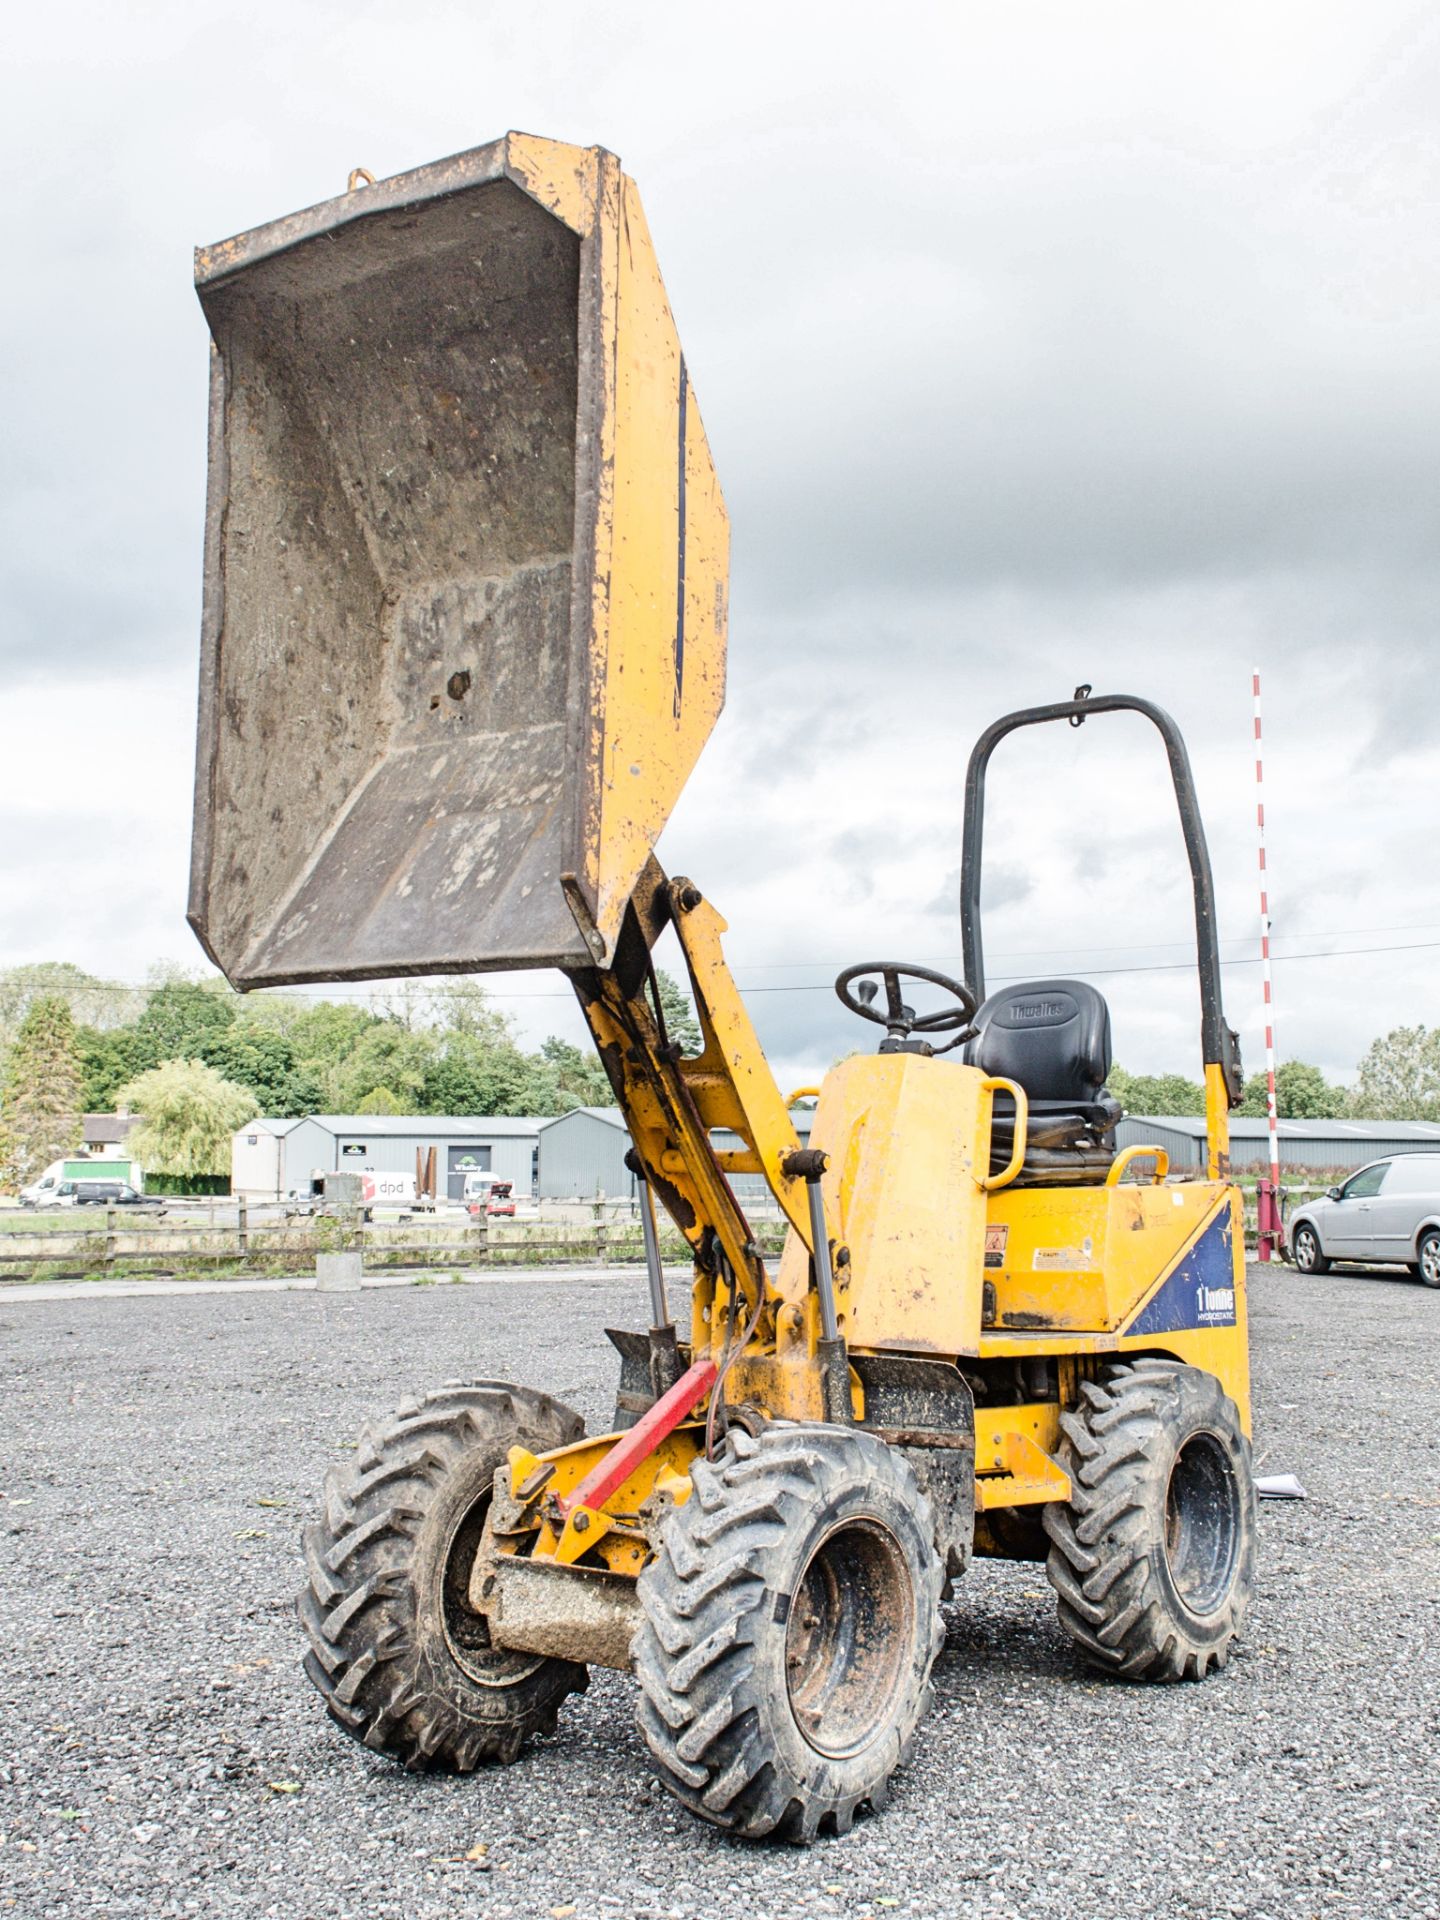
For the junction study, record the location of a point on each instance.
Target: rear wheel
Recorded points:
(1153, 1556)
(1306, 1244)
(791, 1619)
(1427, 1257)
(400, 1659)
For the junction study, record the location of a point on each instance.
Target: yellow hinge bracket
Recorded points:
(1016, 1471)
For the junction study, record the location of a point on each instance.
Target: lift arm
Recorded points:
(672, 1103)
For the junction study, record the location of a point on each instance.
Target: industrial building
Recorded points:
(1324, 1146)
(272, 1159)
(582, 1155)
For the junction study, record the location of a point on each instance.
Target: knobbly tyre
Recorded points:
(464, 639)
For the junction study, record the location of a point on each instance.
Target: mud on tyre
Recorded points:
(1153, 1557)
(791, 1619)
(401, 1661)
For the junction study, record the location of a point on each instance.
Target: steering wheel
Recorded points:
(898, 1019)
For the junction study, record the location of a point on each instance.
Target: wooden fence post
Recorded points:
(109, 1236)
(242, 1226)
(599, 1230)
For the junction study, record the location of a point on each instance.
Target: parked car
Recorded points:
(1387, 1213)
(111, 1193)
(498, 1198)
(59, 1193)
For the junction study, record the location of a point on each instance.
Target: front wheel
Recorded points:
(1153, 1556)
(1306, 1243)
(399, 1657)
(791, 1619)
(1427, 1257)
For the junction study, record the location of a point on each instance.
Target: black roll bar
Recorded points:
(1219, 1044)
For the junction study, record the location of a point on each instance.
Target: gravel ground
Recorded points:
(162, 1754)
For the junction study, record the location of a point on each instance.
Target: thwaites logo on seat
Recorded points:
(1201, 1290)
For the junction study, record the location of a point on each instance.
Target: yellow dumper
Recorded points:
(464, 639)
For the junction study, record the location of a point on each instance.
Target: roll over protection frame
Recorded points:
(1219, 1044)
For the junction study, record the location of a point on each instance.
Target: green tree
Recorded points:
(324, 1037)
(458, 1003)
(474, 1076)
(264, 1061)
(188, 1112)
(580, 1080)
(92, 1001)
(680, 1022)
(1301, 1093)
(180, 1017)
(1152, 1094)
(380, 1100)
(1399, 1077)
(109, 1057)
(384, 1055)
(44, 1087)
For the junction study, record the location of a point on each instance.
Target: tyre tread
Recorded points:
(1103, 1556)
(702, 1598)
(358, 1608)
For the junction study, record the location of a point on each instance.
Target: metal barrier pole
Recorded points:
(659, 1305)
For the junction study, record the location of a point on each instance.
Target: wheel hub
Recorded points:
(467, 1632)
(849, 1636)
(1202, 1523)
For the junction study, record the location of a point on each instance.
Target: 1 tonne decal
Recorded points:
(1201, 1290)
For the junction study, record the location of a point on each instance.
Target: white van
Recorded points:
(56, 1185)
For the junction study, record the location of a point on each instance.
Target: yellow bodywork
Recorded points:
(933, 1256)
(937, 1265)
(909, 1144)
(464, 641)
(659, 565)
(661, 537)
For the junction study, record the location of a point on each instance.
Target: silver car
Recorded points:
(1387, 1212)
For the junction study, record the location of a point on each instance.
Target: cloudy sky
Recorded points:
(1036, 344)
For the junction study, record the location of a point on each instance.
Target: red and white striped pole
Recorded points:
(1271, 1230)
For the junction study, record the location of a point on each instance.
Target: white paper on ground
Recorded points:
(1280, 1486)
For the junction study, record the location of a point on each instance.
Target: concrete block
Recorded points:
(337, 1272)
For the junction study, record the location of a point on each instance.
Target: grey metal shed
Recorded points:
(582, 1154)
(285, 1155)
(1314, 1145)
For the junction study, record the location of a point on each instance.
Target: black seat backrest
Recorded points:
(1052, 1036)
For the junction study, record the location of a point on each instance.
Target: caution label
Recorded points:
(1079, 1259)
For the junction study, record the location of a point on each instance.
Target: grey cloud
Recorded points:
(1017, 373)
(1002, 885)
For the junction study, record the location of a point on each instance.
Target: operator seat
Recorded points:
(1053, 1038)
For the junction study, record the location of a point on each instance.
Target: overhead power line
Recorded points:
(340, 993)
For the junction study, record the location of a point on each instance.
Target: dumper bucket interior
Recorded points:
(466, 566)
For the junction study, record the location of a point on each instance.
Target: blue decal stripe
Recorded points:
(1200, 1291)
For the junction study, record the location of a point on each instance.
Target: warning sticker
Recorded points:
(995, 1238)
(1065, 1259)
